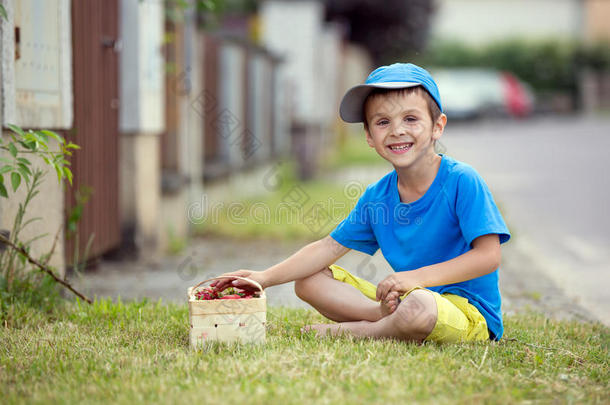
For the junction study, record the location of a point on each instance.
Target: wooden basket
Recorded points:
(241, 320)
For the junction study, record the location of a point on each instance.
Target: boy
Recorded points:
(433, 218)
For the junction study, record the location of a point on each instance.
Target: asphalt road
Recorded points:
(551, 179)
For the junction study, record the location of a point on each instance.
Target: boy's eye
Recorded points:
(383, 122)
(410, 118)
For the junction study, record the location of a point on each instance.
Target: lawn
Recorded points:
(138, 352)
(298, 210)
(353, 151)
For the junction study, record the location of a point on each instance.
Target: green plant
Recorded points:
(31, 290)
(293, 210)
(548, 65)
(353, 151)
(202, 5)
(16, 257)
(139, 352)
(595, 56)
(176, 9)
(175, 243)
(81, 197)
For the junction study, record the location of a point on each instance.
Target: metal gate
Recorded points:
(95, 49)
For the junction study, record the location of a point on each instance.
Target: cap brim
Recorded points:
(351, 108)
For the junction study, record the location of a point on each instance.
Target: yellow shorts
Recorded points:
(457, 319)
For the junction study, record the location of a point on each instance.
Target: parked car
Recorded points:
(472, 92)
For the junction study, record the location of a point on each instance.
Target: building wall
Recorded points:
(232, 118)
(186, 85)
(37, 64)
(484, 21)
(141, 122)
(193, 142)
(330, 74)
(296, 31)
(245, 103)
(597, 26)
(293, 30)
(282, 107)
(355, 66)
(142, 66)
(140, 191)
(259, 76)
(37, 95)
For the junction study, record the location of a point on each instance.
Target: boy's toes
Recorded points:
(393, 299)
(320, 329)
(389, 304)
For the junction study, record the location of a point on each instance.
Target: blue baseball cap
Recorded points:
(395, 76)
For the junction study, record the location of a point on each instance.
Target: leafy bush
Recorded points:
(18, 285)
(595, 56)
(32, 290)
(547, 65)
(16, 280)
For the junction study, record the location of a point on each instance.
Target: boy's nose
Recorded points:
(397, 128)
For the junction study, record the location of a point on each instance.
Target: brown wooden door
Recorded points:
(208, 105)
(96, 108)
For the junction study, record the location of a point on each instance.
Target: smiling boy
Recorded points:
(433, 218)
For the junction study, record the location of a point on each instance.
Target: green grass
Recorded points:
(281, 214)
(175, 244)
(353, 151)
(138, 352)
(298, 210)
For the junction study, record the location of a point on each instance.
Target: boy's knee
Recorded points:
(304, 286)
(415, 317)
(300, 286)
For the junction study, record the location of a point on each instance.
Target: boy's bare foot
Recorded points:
(390, 303)
(322, 329)
(356, 328)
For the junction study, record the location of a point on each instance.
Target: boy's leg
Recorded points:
(413, 320)
(336, 300)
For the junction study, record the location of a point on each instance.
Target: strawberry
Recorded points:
(230, 297)
(230, 293)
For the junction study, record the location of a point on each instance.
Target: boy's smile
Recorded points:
(400, 147)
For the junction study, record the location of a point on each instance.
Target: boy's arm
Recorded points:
(307, 261)
(482, 259)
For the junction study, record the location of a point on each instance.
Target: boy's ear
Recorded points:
(439, 126)
(369, 139)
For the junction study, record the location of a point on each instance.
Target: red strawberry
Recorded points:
(230, 297)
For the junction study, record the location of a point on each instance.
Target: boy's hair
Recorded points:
(433, 108)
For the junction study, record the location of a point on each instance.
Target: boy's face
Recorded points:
(400, 127)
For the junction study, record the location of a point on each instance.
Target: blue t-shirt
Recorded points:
(441, 225)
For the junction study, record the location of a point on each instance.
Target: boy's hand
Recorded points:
(399, 282)
(257, 276)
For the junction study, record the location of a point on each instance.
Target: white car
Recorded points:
(471, 92)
